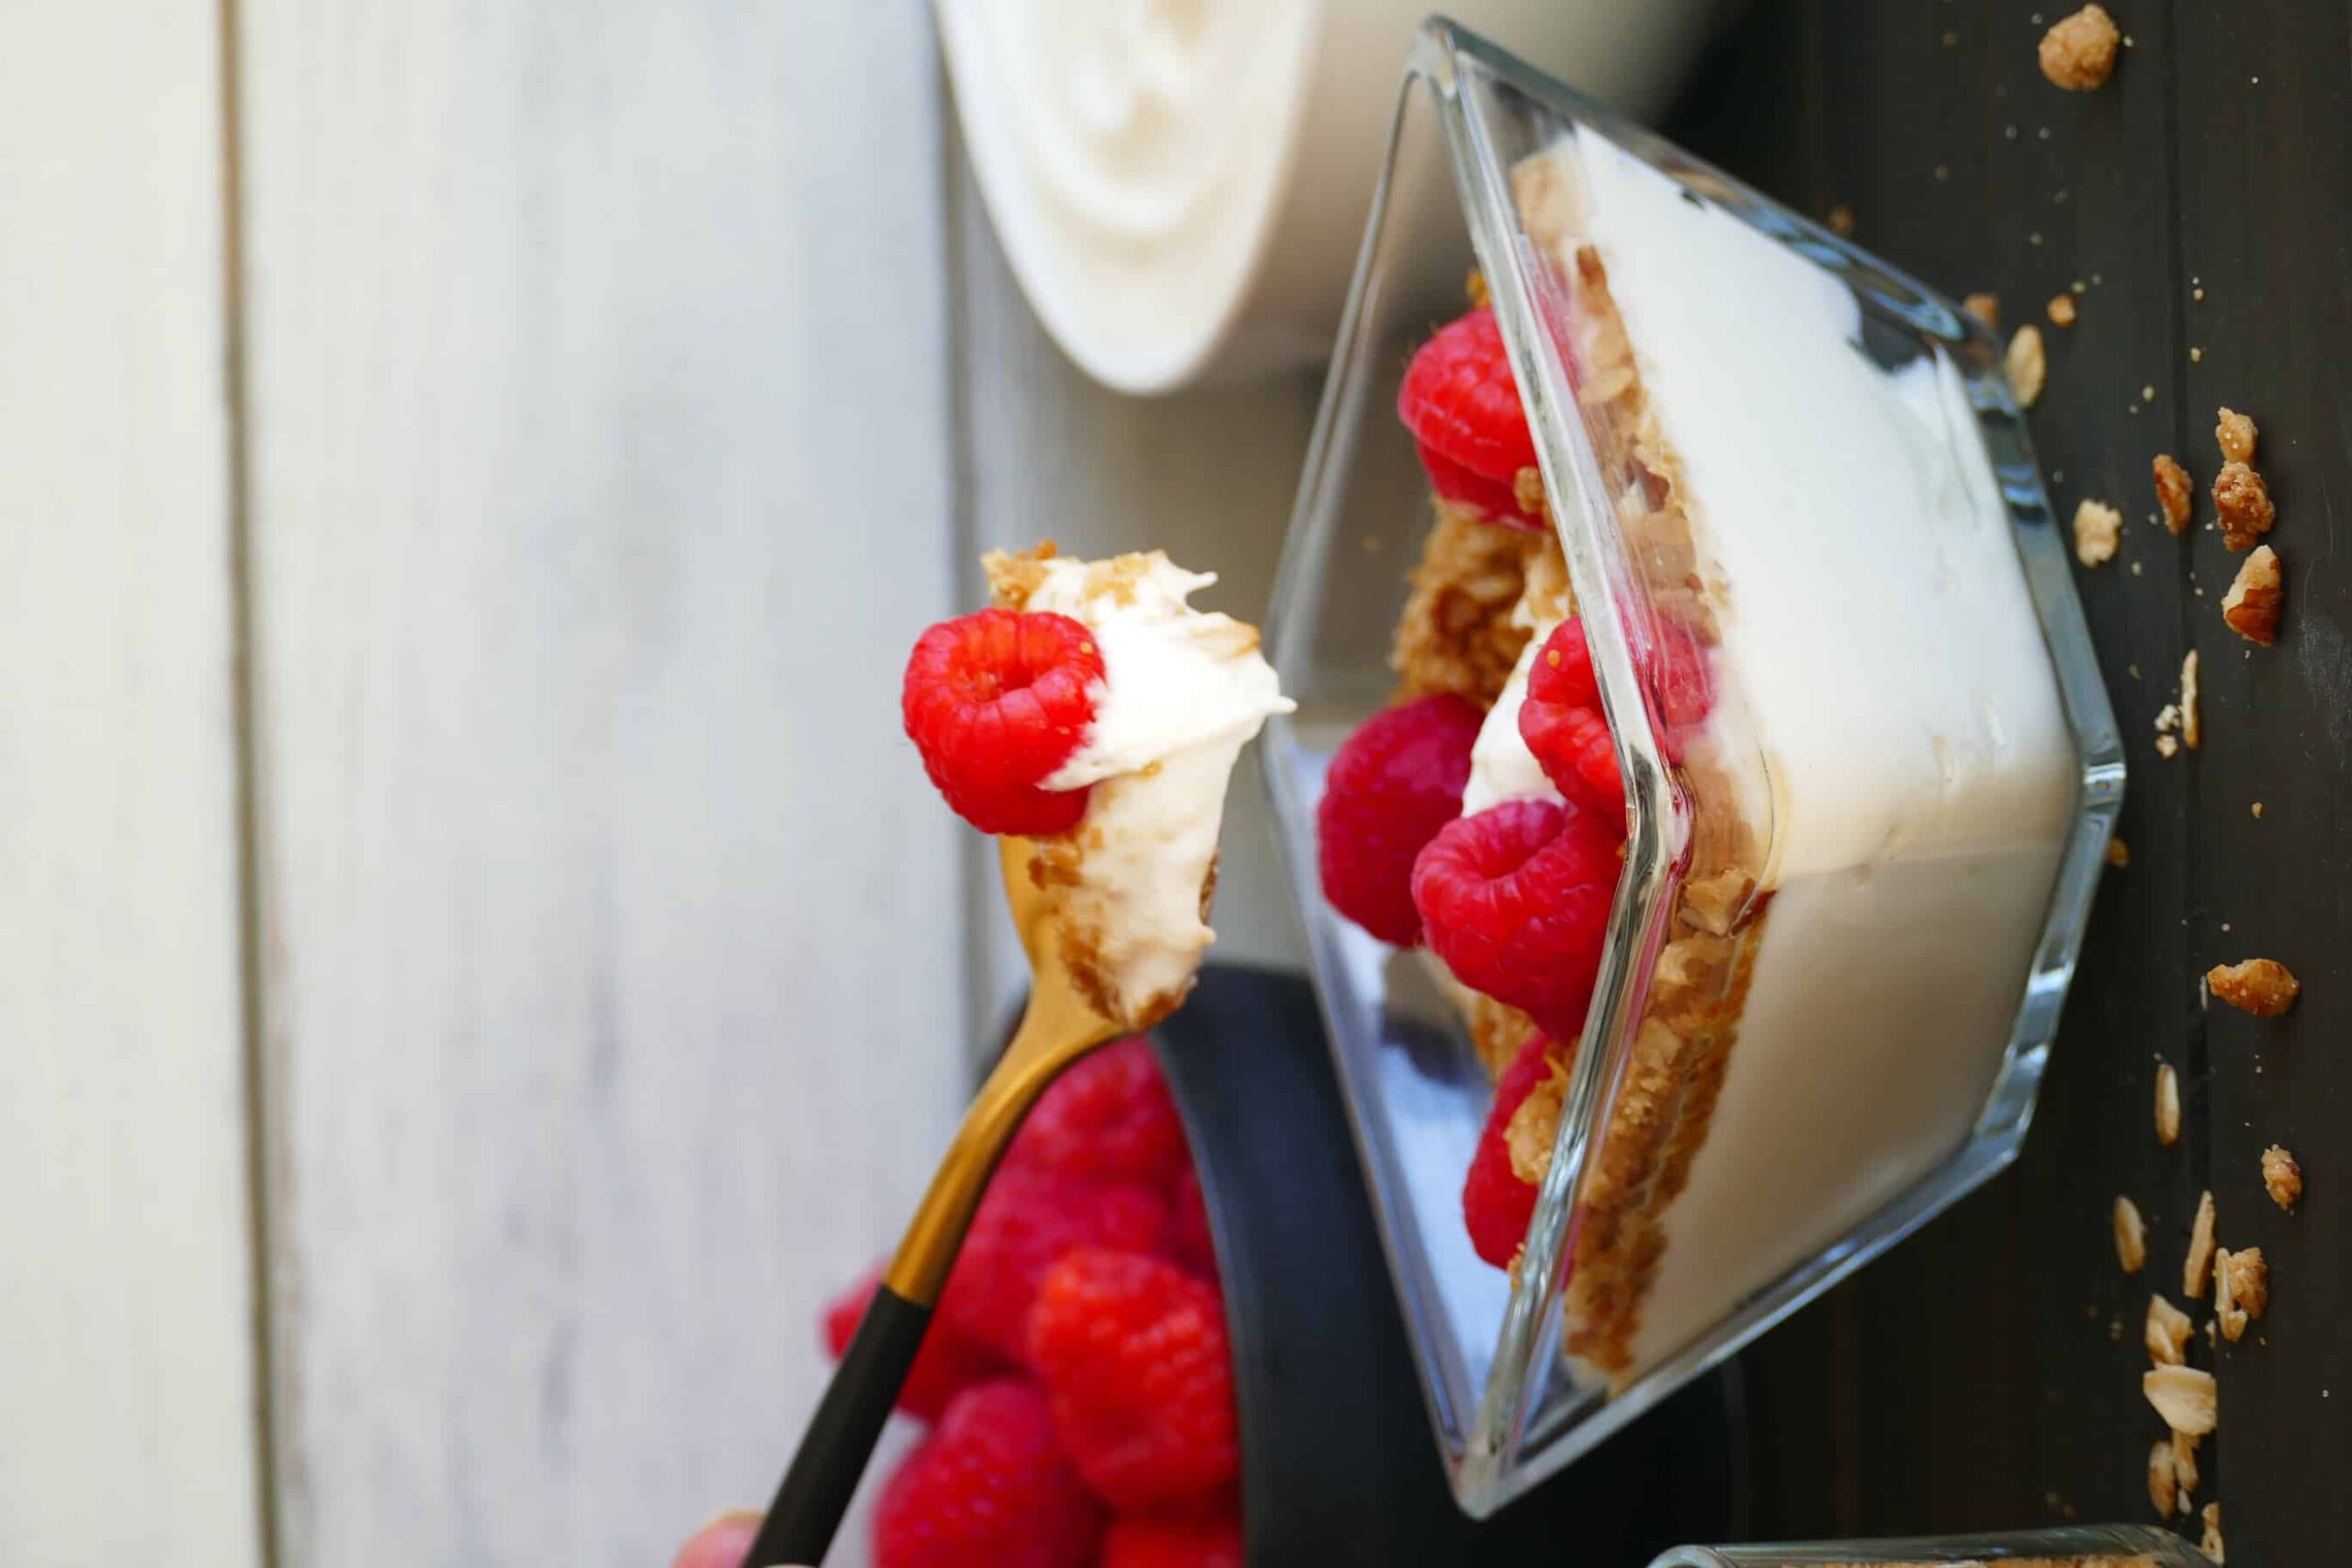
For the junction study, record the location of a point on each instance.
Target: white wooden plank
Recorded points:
(600, 477)
(1207, 474)
(127, 1347)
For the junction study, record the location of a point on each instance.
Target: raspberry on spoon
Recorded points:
(995, 702)
(1516, 902)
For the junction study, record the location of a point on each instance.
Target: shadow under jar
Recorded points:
(1868, 771)
(2076, 1546)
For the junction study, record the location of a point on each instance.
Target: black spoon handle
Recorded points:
(840, 1439)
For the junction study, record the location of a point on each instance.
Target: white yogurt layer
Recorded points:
(1183, 690)
(1916, 774)
(1501, 767)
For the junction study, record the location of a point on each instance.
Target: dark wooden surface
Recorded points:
(1987, 1375)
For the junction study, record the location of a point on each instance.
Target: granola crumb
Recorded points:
(2167, 1333)
(2062, 309)
(2256, 809)
(2211, 1545)
(2241, 504)
(2078, 51)
(2166, 747)
(2168, 1105)
(2184, 1464)
(2174, 489)
(2183, 1396)
(2236, 434)
(2027, 364)
(2191, 730)
(2196, 355)
(1985, 308)
(2162, 1480)
(1475, 289)
(2130, 1235)
(2251, 606)
(2281, 1176)
(2262, 987)
(2118, 853)
(2241, 1290)
(1841, 220)
(2197, 1269)
(2099, 529)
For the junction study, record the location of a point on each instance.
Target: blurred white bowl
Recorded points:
(1182, 184)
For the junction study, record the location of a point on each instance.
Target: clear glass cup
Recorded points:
(1857, 862)
(2074, 1546)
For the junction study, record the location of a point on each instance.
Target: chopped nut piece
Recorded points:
(2236, 434)
(2211, 1545)
(2098, 528)
(2282, 1177)
(2189, 725)
(2242, 503)
(2183, 1396)
(2167, 1333)
(2163, 1479)
(2197, 1269)
(2241, 1289)
(2118, 853)
(2184, 1464)
(2130, 1235)
(1985, 308)
(2262, 987)
(2173, 490)
(2027, 365)
(2062, 309)
(2078, 52)
(2168, 1105)
(2251, 606)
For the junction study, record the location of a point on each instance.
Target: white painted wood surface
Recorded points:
(615, 996)
(1207, 474)
(127, 1380)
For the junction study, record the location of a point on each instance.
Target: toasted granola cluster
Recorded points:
(2078, 51)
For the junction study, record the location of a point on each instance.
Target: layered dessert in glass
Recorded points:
(1738, 779)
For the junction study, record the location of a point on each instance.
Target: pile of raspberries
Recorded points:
(1075, 1374)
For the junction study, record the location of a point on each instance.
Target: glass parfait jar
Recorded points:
(1868, 768)
(2074, 1546)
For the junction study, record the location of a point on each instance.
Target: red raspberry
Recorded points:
(1190, 1240)
(1462, 407)
(946, 1365)
(1391, 787)
(1562, 723)
(995, 702)
(989, 1485)
(1496, 1204)
(1138, 1541)
(1108, 1119)
(1025, 1222)
(1516, 901)
(1132, 1351)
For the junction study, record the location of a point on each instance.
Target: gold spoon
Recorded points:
(1058, 1027)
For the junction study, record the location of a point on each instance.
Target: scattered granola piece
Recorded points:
(2262, 987)
(2164, 1480)
(2027, 365)
(2282, 1177)
(2197, 1269)
(2241, 1289)
(2168, 1105)
(2167, 747)
(2167, 1333)
(2236, 434)
(2256, 809)
(2241, 504)
(2078, 52)
(2183, 1396)
(2130, 1235)
(2099, 529)
(1841, 220)
(2189, 732)
(1985, 308)
(2118, 853)
(2251, 606)
(2211, 1545)
(1474, 287)
(2173, 490)
(2062, 309)
(2184, 1464)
